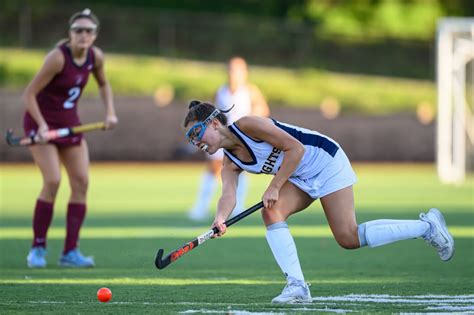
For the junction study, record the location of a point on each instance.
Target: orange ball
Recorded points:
(104, 294)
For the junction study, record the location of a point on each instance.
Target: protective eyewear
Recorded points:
(79, 30)
(196, 132)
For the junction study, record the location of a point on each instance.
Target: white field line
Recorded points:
(209, 311)
(394, 299)
(452, 304)
(325, 309)
(239, 312)
(430, 302)
(467, 296)
(354, 299)
(233, 312)
(451, 308)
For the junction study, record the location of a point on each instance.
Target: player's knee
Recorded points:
(80, 183)
(50, 188)
(347, 240)
(271, 216)
(51, 185)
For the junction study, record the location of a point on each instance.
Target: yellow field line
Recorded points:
(173, 281)
(188, 232)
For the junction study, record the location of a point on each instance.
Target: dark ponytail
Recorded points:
(199, 111)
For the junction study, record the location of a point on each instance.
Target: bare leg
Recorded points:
(76, 161)
(340, 213)
(291, 200)
(47, 158)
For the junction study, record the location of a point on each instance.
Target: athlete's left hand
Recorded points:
(111, 121)
(270, 196)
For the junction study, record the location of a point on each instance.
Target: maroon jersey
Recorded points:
(58, 100)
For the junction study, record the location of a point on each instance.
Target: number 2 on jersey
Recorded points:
(73, 95)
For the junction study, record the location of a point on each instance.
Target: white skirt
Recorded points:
(338, 174)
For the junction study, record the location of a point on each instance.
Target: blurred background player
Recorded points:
(51, 101)
(248, 100)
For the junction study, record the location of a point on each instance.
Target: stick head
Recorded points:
(11, 140)
(159, 262)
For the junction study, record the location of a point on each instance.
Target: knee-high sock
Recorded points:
(207, 188)
(284, 250)
(76, 213)
(381, 232)
(241, 194)
(41, 222)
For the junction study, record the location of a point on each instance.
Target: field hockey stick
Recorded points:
(51, 134)
(177, 253)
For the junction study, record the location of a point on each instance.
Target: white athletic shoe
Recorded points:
(36, 257)
(438, 236)
(295, 291)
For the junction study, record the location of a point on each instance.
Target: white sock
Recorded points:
(207, 188)
(381, 232)
(284, 250)
(241, 194)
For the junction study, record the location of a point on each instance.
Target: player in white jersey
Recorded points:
(247, 100)
(306, 166)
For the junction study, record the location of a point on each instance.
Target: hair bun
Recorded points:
(85, 13)
(194, 103)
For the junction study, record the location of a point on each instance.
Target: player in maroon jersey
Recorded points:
(51, 101)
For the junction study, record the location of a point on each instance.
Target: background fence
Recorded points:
(212, 36)
(150, 133)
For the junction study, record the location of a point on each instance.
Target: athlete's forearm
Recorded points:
(32, 107)
(107, 98)
(225, 205)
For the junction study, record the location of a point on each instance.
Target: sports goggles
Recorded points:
(196, 132)
(78, 29)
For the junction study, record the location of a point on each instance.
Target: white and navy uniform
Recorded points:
(323, 169)
(242, 100)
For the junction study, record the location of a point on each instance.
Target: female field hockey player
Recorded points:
(306, 166)
(51, 101)
(248, 100)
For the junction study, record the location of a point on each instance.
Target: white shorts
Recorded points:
(219, 155)
(338, 174)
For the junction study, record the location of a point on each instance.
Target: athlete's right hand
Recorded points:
(111, 121)
(270, 196)
(42, 133)
(219, 223)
